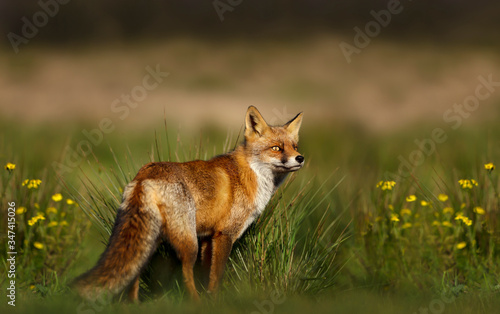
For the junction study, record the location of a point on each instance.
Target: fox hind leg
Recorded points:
(186, 247)
(179, 214)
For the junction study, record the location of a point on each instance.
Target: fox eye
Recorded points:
(276, 148)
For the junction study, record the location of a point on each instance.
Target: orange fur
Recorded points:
(215, 200)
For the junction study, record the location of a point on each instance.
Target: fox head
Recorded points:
(275, 147)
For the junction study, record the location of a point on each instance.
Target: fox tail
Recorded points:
(133, 240)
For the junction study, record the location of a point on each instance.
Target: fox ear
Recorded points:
(293, 126)
(254, 123)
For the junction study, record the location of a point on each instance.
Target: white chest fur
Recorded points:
(265, 189)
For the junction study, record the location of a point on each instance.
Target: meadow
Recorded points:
(339, 231)
(387, 216)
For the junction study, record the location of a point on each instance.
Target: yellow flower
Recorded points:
(406, 225)
(70, 201)
(411, 198)
(32, 287)
(10, 166)
(38, 245)
(436, 223)
(443, 197)
(479, 210)
(462, 206)
(447, 224)
(32, 184)
(52, 224)
(424, 203)
(489, 166)
(34, 220)
(64, 223)
(21, 210)
(391, 207)
(405, 211)
(394, 217)
(465, 220)
(57, 197)
(461, 245)
(386, 185)
(448, 210)
(467, 184)
(51, 210)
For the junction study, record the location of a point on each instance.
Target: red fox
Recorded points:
(204, 205)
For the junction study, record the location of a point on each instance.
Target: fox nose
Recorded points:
(300, 159)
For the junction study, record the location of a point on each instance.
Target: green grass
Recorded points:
(330, 240)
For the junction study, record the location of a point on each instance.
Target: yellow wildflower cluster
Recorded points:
(32, 184)
(386, 185)
(464, 219)
(35, 219)
(467, 184)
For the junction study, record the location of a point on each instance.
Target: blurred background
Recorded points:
(69, 61)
